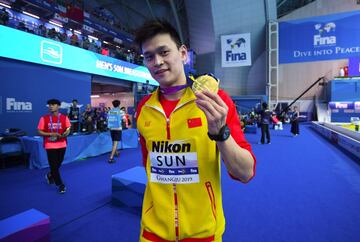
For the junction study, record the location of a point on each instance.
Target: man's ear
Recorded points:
(184, 53)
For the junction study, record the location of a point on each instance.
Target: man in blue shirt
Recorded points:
(115, 116)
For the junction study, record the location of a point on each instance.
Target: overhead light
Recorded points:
(142, 55)
(31, 15)
(76, 31)
(128, 50)
(95, 96)
(118, 46)
(5, 5)
(105, 42)
(92, 37)
(56, 24)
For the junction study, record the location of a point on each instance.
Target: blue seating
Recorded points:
(11, 146)
(128, 187)
(31, 225)
(250, 129)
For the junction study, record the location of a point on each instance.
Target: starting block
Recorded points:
(31, 225)
(128, 187)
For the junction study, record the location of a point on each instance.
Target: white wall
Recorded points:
(209, 19)
(126, 99)
(201, 33)
(246, 16)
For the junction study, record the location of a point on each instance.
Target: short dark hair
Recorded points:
(53, 101)
(74, 100)
(116, 103)
(264, 105)
(154, 27)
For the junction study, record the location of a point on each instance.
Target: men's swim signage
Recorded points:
(235, 50)
(36, 49)
(173, 162)
(327, 37)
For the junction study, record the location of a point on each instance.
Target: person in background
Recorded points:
(88, 119)
(146, 89)
(115, 117)
(74, 116)
(42, 30)
(4, 17)
(54, 127)
(74, 39)
(265, 120)
(101, 117)
(126, 123)
(277, 124)
(86, 43)
(295, 122)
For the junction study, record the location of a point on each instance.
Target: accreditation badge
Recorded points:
(173, 162)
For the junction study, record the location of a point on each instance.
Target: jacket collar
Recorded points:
(188, 96)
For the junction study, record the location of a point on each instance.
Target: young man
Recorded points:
(115, 117)
(54, 127)
(182, 136)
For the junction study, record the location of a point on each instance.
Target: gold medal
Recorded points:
(205, 82)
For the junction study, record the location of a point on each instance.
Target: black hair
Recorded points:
(53, 101)
(264, 105)
(75, 100)
(154, 27)
(116, 103)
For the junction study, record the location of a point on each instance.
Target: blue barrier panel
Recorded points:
(250, 129)
(79, 147)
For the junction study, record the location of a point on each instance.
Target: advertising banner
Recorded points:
(25, 89)
(36, 49)
(327, 37)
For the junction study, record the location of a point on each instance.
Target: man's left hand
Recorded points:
(214, 108)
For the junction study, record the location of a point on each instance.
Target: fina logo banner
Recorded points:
(235, 50)
(320, 38)
(16, 106)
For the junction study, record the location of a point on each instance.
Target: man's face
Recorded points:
(164, 60)
(74, 104)
(53, 107)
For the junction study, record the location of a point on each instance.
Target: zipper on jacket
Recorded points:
(168, 128)
(168, 136)
(176, 213)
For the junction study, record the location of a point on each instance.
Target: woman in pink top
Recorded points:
(54, 127)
